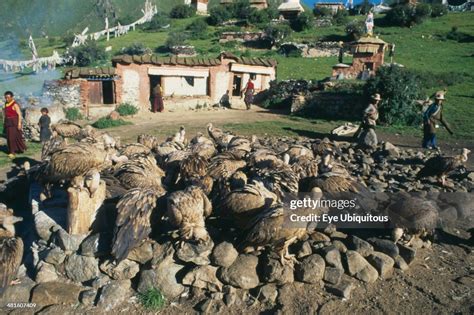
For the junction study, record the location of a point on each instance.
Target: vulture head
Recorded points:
(464, 154)
(92, 181)
(8, 220)
(238, 180)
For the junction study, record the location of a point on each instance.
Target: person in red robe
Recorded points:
(13, 126)
(248, 92)
(157, 99)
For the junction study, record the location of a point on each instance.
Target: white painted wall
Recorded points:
(178, 86)
(222, 85)
(131, 87)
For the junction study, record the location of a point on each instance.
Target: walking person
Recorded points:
(13, 126)
(366, 133)
(157, 99)
(431, 117)
(44, 123)
(248, 92)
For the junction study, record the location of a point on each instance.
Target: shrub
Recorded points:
(218, 15)
(126, 109)
(277, 33)
(399, 89)
(182, 11)
(107, 122)
(197, 29)
(408, 15)
(241, 9)
(364, 7)
(355, 29)
(422, 12)
(303, 22)
(158, 22)
(341, 17)
(258, 17)
(438, 10)
(68, 39)
(152, 299)
(87, 54)
(73, 113)
(176, 39)
(135, 49)
(322, 12)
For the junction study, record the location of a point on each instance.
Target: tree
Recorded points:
(399, 89)
(277, 33)
(438, 10)
(364, 7)
(341, 17)
(218, 15)
(87, 54)
(258, 17)
(197, 29)
(135, 49)
(241, 9)
(176, 39)
(303, 22)
(355, 29)
(182, 11)
(322, 12)
(158, 22)
(408, 15)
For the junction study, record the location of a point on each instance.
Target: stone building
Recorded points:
(368, 55)
(186, 82)
(200, 6)
(290, 9)
(332, 6)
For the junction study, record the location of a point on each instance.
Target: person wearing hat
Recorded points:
(431, 117)
(366, 132)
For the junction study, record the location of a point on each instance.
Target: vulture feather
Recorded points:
(66, 129)
(239, 146)
(134, 148)
(441, 166)
(141, 171)
(222, 166)
(148, 140)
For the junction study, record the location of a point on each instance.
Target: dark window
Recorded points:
(108, 92)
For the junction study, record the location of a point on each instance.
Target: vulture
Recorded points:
(193, 166)
(304, 166)
(187, 210)
(222, 166)
(163, 150)
(203, 146)
(11, 248)
(277, 176)
(319, 147)
(66, 129)
(239, 146)
(441, 166)
(49, 147)
(418, 216)
(221, 138)
(141, 171)
(132, 224)
(296, 151)
(134, 148)
(148, 141)
(179, 136)
(329, 165)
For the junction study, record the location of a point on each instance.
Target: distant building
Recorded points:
(200, 6)
(332, 6)
(185, 81)
(290, 9)
(258, 4)
(368, 55)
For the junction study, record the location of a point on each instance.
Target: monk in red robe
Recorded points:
(13, 126)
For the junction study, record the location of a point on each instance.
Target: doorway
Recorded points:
(237, 85)
(108, 92)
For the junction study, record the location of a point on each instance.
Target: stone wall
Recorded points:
(64, 92)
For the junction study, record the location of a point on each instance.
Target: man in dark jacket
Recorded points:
(431, 117)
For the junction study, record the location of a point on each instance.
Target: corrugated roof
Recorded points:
(83, 72)
(192, 61)
(370, 40)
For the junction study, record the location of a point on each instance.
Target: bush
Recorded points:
(355, 29)
(176, 39)
(422, 12)
(73, 113)
(218, 15)
(68, 39)
(438, 10)
(158, 22)
(258, 17)
(322, 12)
(87, 54)
(241, 9)
(126, 109)
(399, 89)
(341, 17)
(135, 49)
(152, 299)
(107, 122)
(430, 80)
(197, 29)
(364, 7)
(182, 11)
(408, 15)
(277, 33)
(303, 22)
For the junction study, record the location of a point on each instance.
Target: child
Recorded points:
(44, 122)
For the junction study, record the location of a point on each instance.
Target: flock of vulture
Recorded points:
(243, 179)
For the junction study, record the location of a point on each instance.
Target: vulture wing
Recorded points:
(11, 253)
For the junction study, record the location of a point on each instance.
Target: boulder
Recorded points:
(391, 150)
(272, 271)
(343, 289)
(81, 268)
(162, 252)
(96, 245)
(311, 269)
(197, 253)
(242, 273)
(332, 256)
(400, 263)
(68, 242)
(383, 263)
(408, 253)
(203, 277)
(46, 273)
(54, 256)
(163, 277)
(224, 254)
(385, 246)
(359, 267)
(55, 293)
(44, 225)
(333, 275)
(360, 246)
(143, 253)
(268, 293)
(113, 294)
(114, 115)
(126, 269)
(87, 297)
(305, 250)
(18, 293)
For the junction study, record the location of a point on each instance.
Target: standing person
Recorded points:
(157, 99)
(366, 132)
(431, 117)
(44, 122)
(248, 93)
(13, 126)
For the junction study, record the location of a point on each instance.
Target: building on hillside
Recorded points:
(186, 82)
(290, 9)
(258, 4)
(368, 55)
(200, 6)
(332, 6)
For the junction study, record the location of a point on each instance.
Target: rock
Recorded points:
(319, 237)
(408, 253)
(44, 225)
(343, 289)
(54, 256)
(332, 256)
(19, 293)
(400, 263)
(126, 269)
(55, 293)
(242, 273)
(161, 252)
(142, 254)
(164, 278)
(340, 246)
(359, 267)
(203, 277)
(100, 281)
(471, 176)
(224, 254)
(360, 246)
(333, 275)
(81, 268)
(310, 269)
(338, 235)
(368, 274)
(383, 263)
(305, 250)
(210, 306)
(391, 150)
(114, 115)
(87, 297)
(268, 293)
(113, 294)
(46, 273)
(385, 246)
(58, 309)
(67, 242)
(273, 271)
(196, 253)
(230, 296)
(95, 245)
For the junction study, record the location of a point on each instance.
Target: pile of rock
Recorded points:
(183, 51)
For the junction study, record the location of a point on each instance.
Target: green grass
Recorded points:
(152, 299)
(106, 122)
(33, 148)
(126, 109)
